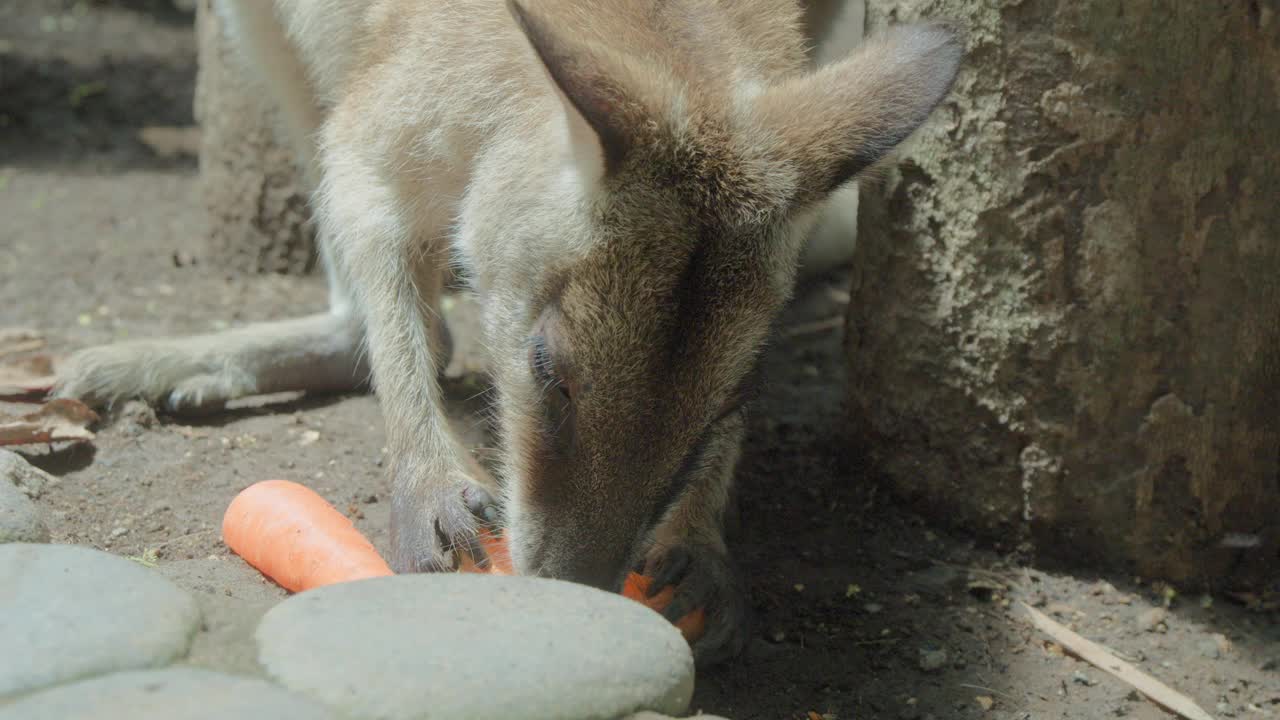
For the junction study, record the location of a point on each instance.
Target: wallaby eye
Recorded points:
(544, 368)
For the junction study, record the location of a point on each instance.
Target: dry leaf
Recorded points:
(10, 337)
(986, 702)
(29, 379)
(18, 348)
(57, 420)
(17, 341)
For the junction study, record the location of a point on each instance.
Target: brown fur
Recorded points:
(627, 185)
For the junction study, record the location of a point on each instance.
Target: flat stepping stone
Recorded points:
(413, 647)
(69, 612)
(171, 694)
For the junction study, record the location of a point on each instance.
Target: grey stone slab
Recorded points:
(169, 694)
(70, 612)
(453, 646)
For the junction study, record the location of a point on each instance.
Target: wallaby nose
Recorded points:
(587, 566)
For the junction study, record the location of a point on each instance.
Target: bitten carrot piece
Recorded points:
(692, 625)
(636, 587)
(296, 538)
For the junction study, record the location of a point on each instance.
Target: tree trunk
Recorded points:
(1065, 326)
(259, 220)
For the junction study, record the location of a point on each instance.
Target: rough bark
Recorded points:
(1065, 326)
(259, 220)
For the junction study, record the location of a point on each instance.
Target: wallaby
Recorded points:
(627, 185)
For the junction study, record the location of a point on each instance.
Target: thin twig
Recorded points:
(1103, 659)
(993, 691)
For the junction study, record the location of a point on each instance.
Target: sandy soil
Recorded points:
(855, 597)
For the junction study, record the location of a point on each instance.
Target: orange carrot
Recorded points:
(296, 538)
(694, 622)
(636, 587)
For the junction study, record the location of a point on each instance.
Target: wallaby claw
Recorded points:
(430, 534)
(704, 577)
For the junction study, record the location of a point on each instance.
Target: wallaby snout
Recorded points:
(600, 559)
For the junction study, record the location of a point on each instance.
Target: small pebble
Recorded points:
(1081, 679)
(932, 659)
(1209, 648)
(1102, 587)
(1153, 620)
(1224, 644)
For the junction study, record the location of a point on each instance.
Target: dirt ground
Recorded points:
(863, 611)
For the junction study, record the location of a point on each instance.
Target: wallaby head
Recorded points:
(624, 367)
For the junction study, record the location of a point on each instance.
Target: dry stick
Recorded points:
(27, 380)
(1098, 656)
(993, 691)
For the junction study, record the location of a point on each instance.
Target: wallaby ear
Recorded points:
(595, 104)
(835, 122)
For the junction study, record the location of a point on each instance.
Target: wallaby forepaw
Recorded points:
(704, 577)
(432, 533)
